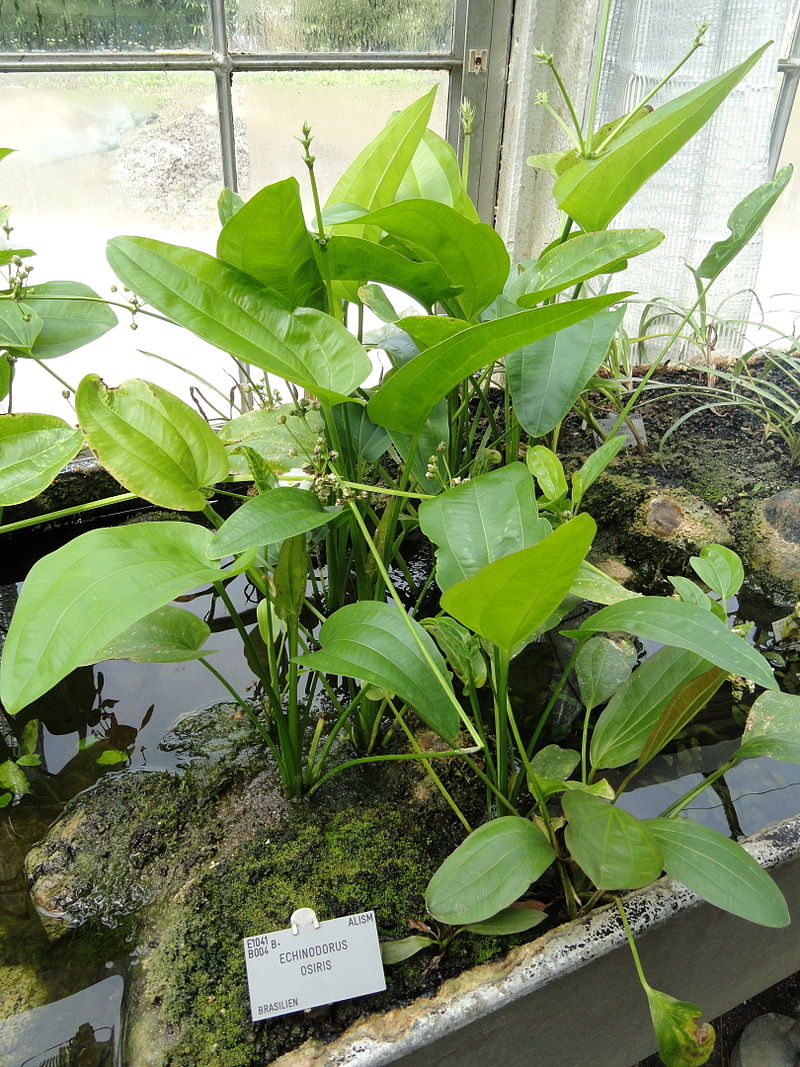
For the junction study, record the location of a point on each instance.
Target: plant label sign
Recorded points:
(310, 965)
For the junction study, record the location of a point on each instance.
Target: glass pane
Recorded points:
(346, 110)
(103, 25)
(100, 155)
(340, 25)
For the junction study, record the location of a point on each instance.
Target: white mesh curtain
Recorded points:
(691, 198)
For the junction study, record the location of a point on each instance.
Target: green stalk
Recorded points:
(77, 509)
(597, 72)
(245, 706)
(682, 802)
(322, 238)
(552, 701)
(431, 772)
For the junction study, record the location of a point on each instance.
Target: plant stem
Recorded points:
(597, 72)
(682, 802)
(35, 520)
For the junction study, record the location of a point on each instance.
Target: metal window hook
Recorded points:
(303, 917)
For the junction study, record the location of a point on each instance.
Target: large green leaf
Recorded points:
(152, 442)
(269, 518)
(481, 520)
(471, 254)
(508, 921)
(671, 622)
(374, 176)
(435, 174)
(356, 260)
(548, 376)
(233, 312)
(682, 707)
(616, 850)
(488, 871)
(719, 870)
(374, 643)
(582, 257)
(404, 399)
(359, 437)
(593, 584)
(461, 648)
(627, 720)
(511, 597)
(267, 239)
(772, 728)
(602, 666)
(167, 635)
(72, 315)
(282, 437)
(33, 449)
(595, 190)
(82, 596)
(19, 327)
(743, 223)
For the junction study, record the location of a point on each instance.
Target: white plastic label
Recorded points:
(336, 960)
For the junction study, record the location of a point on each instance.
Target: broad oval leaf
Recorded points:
(507, 600)
(719, 870)
(689, 591)
(405, 398)
(720, 568)
(376, 643)
(33, 449)
(548, 376)
(481, 520)
(743, 223)
(71, 315)
(627, 720)
(584, 256)
(615, 849)
(167, 635)
(548, 471)
(461, 649)
(151, 442)
(595, 190)
(772, 728)
(233, 312)
(85, 594)
(282, 437)
(508, 921)
(602, 666)
(267, 239)
(360, 438)
(488, 871)
(269, 518)
(595, 585)
(671, 622)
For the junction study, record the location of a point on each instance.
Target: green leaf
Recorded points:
(435, 174)
(682, 1041)
(416, 450)
(356, 260)
(151, 442)
(719, 870)
(167, 635)
(228, 203)
(510, 598)
(374, 643)
(79, 598)
(472, 254)
(593, 466)
(397, 951)
(282, 437)
(508, 921)
(112, 756)
(31, 760)
(546, 468)
(6, 375)
(269, 518)
(429, 330)
(375, 298)
(720, 568)
(689, 591)
(488, 871)
(374, 176)
(404, 399)
(552, 761)
(595, 190)
(593, 584)
(602, 666)
(267, 239)
(682, 707)
(671, 622)
(615, 849)
(5, 799)
(584, 256)
(67, 323)
(630, 715)
(548, 376)
(33, 449)
(772, 728)
(743, 223)
(7, 254)
(233, 312)
(19, 327)
(14, 778)
(481, 520)
(361, 439)
(291, 575)
(29, 738)
(461, 649)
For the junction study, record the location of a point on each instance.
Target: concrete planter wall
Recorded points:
(572, 999)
